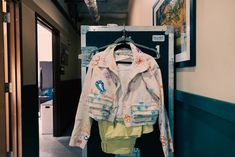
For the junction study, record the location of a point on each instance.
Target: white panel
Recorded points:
(47, 117)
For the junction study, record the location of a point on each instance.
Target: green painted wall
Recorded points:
(204, 127)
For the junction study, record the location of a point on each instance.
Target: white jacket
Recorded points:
(136, 99)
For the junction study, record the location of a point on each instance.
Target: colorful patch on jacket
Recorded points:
(107, 74)
(139, 60)
(100, 86)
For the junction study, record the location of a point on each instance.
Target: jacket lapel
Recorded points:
(139, 64)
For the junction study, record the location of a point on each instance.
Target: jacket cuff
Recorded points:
(80, 141)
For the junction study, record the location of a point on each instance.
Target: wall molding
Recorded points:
(222, 109)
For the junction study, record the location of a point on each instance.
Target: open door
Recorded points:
(10, 80)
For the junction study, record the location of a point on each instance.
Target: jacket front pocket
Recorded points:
(99, 107)
(142, 114)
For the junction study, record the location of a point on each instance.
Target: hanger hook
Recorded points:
(124, 31)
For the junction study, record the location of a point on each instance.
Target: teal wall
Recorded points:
(204, 127)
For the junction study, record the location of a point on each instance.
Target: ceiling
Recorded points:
(110, 8)
(77, 10)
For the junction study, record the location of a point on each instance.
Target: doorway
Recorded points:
(52, 141)
(45, 77)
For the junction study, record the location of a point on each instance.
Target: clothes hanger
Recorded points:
(124, 40)
(120, 39)
(93, 52)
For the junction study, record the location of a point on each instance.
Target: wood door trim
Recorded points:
(15, 77)
(18, 75)
(2, 92)
(12, 61)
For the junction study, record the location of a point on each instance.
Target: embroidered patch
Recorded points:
(139, 60)
(96, 95)
(138, 108)
(127, 118)
(163, 140)
(105, 113)
(79, 141)
(107, 74)
(100, 86)
(138, 50)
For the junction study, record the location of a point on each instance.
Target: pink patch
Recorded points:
(97, 58)
(139, 60)
(79, 141)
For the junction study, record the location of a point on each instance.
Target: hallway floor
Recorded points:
(56, 146)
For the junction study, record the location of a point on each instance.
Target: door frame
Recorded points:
(14, 49)
(56, 71)
(3, 143)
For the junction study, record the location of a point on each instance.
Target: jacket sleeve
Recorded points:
(165, 133)
(154, 84)
(82, 125)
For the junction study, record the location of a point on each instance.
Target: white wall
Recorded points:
(44, 36)
(140, 12)
(44, 43)
(214, 74)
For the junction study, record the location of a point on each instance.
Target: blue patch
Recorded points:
(104, 107)
(132, 111)
(153, 112)
(154, 118)
(90, 99)
(141, 103)
(139, 108)
(100, 86)
(105, 112)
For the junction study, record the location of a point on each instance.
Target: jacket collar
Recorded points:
(139, 63)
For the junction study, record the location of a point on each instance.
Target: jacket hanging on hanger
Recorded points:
(141, 102)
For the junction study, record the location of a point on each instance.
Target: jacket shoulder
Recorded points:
(98, 55)
(150, 60)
